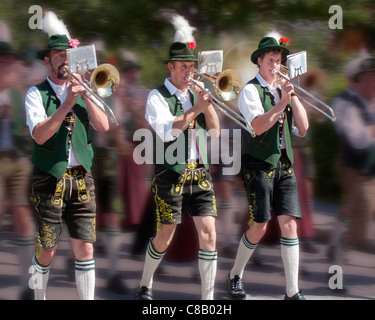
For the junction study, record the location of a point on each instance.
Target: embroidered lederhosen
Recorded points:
(183, 186)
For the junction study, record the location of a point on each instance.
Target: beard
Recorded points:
(61, 74)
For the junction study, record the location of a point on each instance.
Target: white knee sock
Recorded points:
(152, 261)
(244, 252)
(290, 256)
(207, 263)
(85, 278)
(39, 279)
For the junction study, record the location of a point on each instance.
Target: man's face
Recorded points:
(56, 61)
(180, 70)
(271, 60)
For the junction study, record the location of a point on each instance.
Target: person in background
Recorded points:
(355, 125)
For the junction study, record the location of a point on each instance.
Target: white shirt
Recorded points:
(159, 116)
(251, 106)
(36, 113)
(350, 121)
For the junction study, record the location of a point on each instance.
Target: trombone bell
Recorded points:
(228, 85)
(104, 80)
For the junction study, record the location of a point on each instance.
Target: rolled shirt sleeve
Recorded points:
(249, 103)
(159, 116)
(35, 112)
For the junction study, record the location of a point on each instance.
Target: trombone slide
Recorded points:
(96, 100)
(225, 109)
(330, 116)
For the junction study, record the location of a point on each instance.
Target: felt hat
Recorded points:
(363, 64)
(268, 44)
(181, 51)
(56, 42)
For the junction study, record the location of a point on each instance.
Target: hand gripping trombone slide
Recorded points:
(330, 116)
(227, 87)
(104, 81)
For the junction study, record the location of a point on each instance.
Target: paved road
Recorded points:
(180, 280)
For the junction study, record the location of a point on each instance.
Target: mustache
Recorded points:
(62, 66)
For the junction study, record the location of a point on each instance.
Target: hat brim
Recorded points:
(255, 55)
(182, 59)
(42, 53)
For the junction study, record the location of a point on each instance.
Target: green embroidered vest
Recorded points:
(266, 146)
(175, 107)
(52, 156)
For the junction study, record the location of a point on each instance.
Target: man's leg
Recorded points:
(248, 243)
(39, 270)
(156, 249)
(84, 268)
(207, 257)
(290, 253)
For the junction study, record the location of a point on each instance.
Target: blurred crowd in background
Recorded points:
(335, 63)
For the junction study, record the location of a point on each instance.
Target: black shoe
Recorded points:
(235, 287)
(143, 293)
(297, 296)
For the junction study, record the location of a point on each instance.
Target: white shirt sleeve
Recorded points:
(158, 115)
(35, 112)
(350, 124)
(249, 103)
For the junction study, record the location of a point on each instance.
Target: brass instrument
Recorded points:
(227, 87)
(283, 75)
(104, 81)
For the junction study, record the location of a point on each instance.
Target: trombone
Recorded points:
(227, 87)
(103, 81)
(330, 116)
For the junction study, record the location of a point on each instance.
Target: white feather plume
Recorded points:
(53, 25)
(274, 34)
(183, 31)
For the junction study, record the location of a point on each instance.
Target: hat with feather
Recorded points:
(58, 33)
(272, 41)
(184, 42)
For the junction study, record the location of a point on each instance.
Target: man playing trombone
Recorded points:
(181, 116)
(62, 183)
(274, 112)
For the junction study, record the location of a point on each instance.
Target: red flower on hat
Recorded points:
(192, 45)
(284, 42)
(73, 43)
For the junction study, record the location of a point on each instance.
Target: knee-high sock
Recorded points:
(207, 263)
(290, 256)
(152, 261)
(39, 279)
(85, 278)
(244, 252)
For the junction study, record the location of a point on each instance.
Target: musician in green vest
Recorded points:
(181, 117)
(274, 111)
(59, 116)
